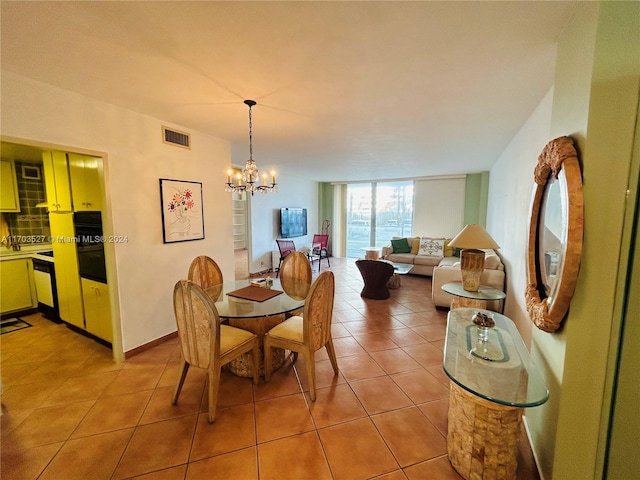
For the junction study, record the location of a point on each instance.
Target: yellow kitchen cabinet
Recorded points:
(17, 287)
(86, 189)
(57, 182)
(66, 265)
(97, 311)
(9, 200)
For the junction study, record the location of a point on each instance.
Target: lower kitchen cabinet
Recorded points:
(97, 311)
(17, 288)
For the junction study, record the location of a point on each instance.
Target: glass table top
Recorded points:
(483, 293)
(292, 298)
(402, 268)
(498, 369)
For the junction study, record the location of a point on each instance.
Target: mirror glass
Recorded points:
(553, 227)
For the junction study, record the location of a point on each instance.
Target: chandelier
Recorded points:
(248, 181)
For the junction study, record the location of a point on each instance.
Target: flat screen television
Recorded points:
(293, 222)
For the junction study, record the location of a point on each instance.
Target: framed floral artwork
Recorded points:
(182, 213)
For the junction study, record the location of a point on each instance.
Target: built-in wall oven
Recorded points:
(90, 245)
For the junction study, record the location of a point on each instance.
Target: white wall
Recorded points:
(265, 217)
(438, 209)
(510, 189)
(135, 159)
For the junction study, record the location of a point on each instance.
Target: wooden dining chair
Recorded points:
(319, 248)
(205, 272)
(285, 247)
(296, 277)
(308, 333)
(204, 343)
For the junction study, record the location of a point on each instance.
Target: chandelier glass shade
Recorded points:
(249, 179)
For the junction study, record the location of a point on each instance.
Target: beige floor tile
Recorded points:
(374, 342)
(85, 387)
(282, 416)
(157, 446)
(325, 376)
(359, 367)
(241, 464)
(233, 390)
(293, 458)
(334, 405)
(283, 382)
(436, 469)
(356, 450)
(380, 394)
(28, 463)
(406, 432)
(420, 386)
(46, 425)
(432, 332)
(130, 380)
(234, 429)
(425, 354)
(113, 413)
(404, 337)
(160, 407)
(395, 360)
(437, 412)
(173, 473)
(92, 457)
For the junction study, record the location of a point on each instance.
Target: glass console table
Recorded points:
(492, 381)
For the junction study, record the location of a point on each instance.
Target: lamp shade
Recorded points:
(473, 236)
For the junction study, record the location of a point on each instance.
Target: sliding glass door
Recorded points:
(376, 212)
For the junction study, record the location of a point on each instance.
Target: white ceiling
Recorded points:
(345, 90)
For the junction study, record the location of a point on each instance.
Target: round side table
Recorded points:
(465, 298)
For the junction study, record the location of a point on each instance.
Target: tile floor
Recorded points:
(70, 412)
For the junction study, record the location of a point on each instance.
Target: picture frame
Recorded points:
(182, 210)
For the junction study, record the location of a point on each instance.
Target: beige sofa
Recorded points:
(445, 268)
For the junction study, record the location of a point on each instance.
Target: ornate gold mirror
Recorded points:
(555, 234)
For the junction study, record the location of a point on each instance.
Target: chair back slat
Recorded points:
(205, 272)
(318, 311)
(198, 324)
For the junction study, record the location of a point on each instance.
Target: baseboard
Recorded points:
(533, 451)
(150, 345)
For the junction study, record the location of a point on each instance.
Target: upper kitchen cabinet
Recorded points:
(56, 176)
(9, 200)
(85, 182)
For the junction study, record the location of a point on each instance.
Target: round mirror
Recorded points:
(555, 234)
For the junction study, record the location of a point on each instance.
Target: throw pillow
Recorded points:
(448, 251)
(415, 245)
(400, 246)
(433, 247)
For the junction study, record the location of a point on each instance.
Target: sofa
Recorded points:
(433, 257)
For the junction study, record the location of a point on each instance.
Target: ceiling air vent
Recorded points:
(174, 137)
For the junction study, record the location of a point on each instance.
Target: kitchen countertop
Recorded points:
(26, 251)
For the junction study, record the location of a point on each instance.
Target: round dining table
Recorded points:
(257, 316)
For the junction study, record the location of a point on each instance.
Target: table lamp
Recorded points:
(471, 239)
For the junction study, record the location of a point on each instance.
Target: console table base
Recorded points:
(483, 436)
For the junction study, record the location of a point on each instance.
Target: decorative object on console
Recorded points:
(250, 173)
(471, 239)
(555, 234)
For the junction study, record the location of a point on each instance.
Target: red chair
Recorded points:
(319, 249)
(285, 247)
